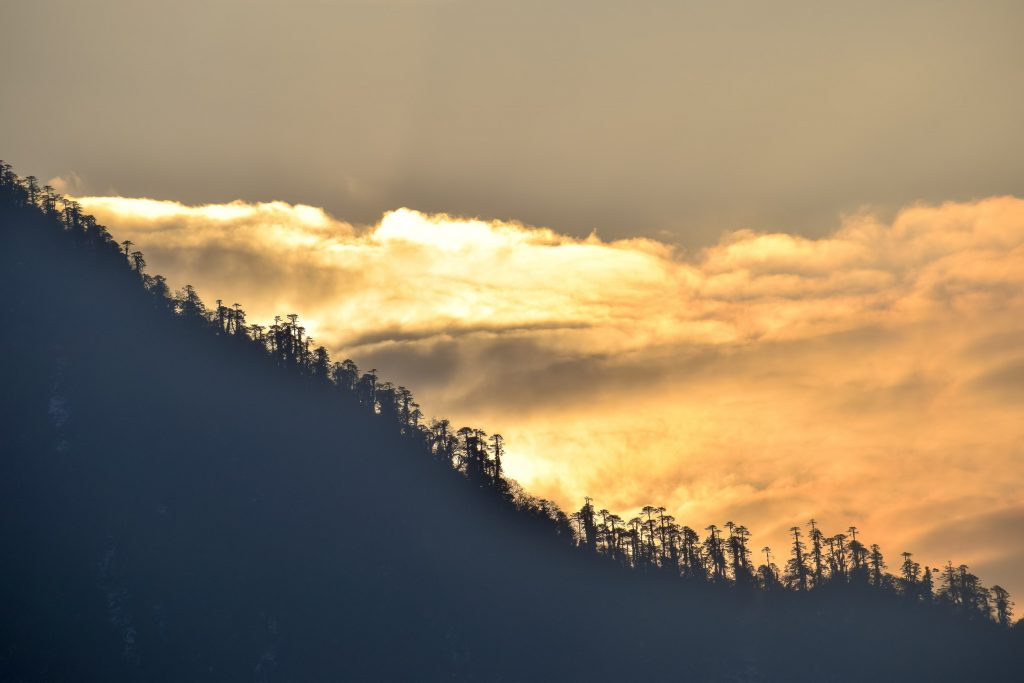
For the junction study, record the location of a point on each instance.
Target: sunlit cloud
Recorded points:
(871, 377)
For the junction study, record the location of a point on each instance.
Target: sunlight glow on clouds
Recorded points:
(872, 377)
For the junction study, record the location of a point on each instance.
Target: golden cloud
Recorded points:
(872, 377)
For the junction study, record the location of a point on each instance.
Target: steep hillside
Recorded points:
(175, 506)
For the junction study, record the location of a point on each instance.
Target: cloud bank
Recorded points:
(871, 377)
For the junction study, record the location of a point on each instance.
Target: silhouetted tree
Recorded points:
(877, 563)
(797, 566)
(837, 556)
(32, 187)
(588, 524)
(910, 573)
(768, 573)
(346, 375)
(714, 553)
(137, 261)
(189, 305)
(927, 587)
(497, 449)
(693, 564)
(321, 364)
(157, 286)
(1003, 605)
(816, 552)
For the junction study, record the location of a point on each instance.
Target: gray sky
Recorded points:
(671, 119)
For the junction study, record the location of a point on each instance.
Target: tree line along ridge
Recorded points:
(651, 542)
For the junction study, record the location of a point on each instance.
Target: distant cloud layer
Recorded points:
(872, 377)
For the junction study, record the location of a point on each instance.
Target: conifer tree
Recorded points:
(797, 565)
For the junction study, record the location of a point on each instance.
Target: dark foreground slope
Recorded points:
(174, 509)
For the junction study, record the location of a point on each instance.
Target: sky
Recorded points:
(749, 262)
(677, 120)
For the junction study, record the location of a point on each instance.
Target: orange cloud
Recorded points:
(872, 377)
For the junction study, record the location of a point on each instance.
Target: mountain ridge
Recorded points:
(183, 512)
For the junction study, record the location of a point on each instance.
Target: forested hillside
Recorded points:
(188, 495)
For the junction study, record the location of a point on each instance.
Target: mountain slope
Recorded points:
(174, 507)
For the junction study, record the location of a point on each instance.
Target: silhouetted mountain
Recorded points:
(188, 498)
